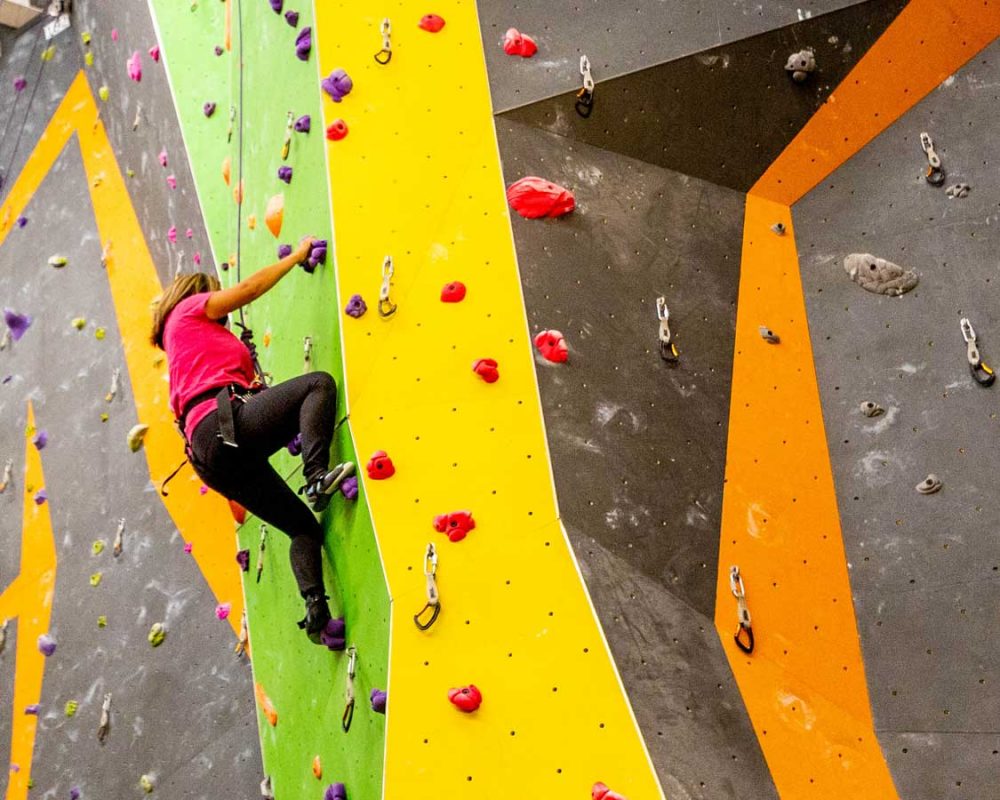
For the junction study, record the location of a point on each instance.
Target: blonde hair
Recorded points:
(181, 287)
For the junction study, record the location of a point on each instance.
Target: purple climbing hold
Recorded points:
(243, 559)
(295, 446)
(317, 253)
(335, 791)
(303, 123)
(303, 44)
(41, 496)
(349, 488)
(208, 109)
(338, 85)
(32, 709)
(285, 174)
(40, 439)
(356, 307)
(20, 84)
(378, 701)
(22, 221)
(284, 251)
(334, 635)
(218, 50)
(292, 18)
(18, 323)
(74, 793)
(277, 5)
(46, 645)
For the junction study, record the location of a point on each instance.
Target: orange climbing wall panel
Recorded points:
(29, 599)
(418, 178)
(804, 686)
(203, 520)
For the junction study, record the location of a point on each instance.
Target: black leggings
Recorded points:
(264, 424)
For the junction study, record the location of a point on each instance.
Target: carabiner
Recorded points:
(743, 627)
(981, 372)
(433, 598)
(934, 174)
(668, 350)
(286, 147)
(585, 97)
(348, 715)
(386, 308)
(384, 56)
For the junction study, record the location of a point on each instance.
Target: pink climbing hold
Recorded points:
(189, 233)
(134, 65)
(20, 83)
(154, 52)
(486, 368)
(114, 34)
(197, 258)
(172, 181)
(516, 43)
(380, 466)
(172, 234)
(431, 23)
(453, 292)
(602, 792)
(163, 158)
(552, 346)
(534, 197)
(188, 547)
(222, 610)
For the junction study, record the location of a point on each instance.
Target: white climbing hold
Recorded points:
(929, 485)
(136, 436)
(871, 409)
(768, 335)
(878, 275)
(800, 64)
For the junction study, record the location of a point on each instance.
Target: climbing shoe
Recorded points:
(318, 491)
(316, 618)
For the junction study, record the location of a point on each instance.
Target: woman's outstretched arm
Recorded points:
(225, 301)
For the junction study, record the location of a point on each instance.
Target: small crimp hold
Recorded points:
(957, 191)
(778, 228)
(934, 174)
(668, 350)
(801, 64)
(768, 335)
(929, 485)
(871, 409)
(585, 97)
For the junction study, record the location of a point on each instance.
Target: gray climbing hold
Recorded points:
(878, 275)
(778, 228)
(958, 190)
(871, 409)
(800, 64)
(929, 485)
(768, 335)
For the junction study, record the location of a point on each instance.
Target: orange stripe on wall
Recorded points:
(926, 43)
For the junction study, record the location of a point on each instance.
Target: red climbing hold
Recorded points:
(602, 792)
(453, 292)
(486, 368)
(380, 466)
(552, 346)
(516, 43)
(456, 524)
(336, 130)
(239, 513)
(534, 197)
(467, 699)
(431, 23)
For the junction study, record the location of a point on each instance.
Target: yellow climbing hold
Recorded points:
(79, 323)
(102, 621)
(95, 579)
(104, 417)
(71, 707)
(252, 222)
(104, 93)
(157, 634)
(85, 37)
(97, 547)
(227, 166)
(146, 782)
(88, 58)
(136, 436)
(49, 53)
(58, 261)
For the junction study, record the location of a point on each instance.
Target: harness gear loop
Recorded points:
(384, 56)
(585, 97)
(934, 174)
(386, 308)
(668, 350)
(352, 664)
(981, 373)
(433, 598)
(260, 550)
(743, 628)
(289, 129)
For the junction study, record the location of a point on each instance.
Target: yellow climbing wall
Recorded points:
(418, 178)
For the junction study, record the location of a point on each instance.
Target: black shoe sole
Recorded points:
(321, 501)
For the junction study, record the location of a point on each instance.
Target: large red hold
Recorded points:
(467, 699)
(602, 792)
(457, 524)
(534, 197)
(431, 23)
(516, 43)
(552, 346)
(486, 368)
(380, 466)
(453, 292)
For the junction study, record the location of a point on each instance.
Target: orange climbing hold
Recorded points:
(266, 706)
(317, 768)
(238, 193)
(533, 197)
(239, 513)
(275, 214)
(227, 168)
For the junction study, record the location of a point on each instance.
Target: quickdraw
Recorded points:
(260, 550)
(433, 598)
(743, 628)
(384, 56)
(934, 174)
(585, 97)
(386, 308)
(668, 350)
(286, 147)
(981, 372)
(307, 348)
(352, 665)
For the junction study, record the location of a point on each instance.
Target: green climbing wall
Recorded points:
(304, 682)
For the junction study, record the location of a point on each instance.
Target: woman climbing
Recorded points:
(232, 426)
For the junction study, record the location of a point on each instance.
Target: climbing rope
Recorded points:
(433, 598)
(743, 628)
(24, 120)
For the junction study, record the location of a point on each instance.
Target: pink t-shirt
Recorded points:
(202, 354)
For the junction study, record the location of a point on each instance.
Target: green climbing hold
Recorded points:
(102, 621)
(100, 333)
(104, 93)
(49, 53)
(71, 707)
(157, 634)
(79, 323)
(58, 261)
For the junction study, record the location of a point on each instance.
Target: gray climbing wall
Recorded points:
(638, 447)
(723, 114)
(619, 38)
(925, 570)
(183, 712)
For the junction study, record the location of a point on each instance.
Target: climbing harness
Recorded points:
(585, 97)
(260, 550)
(286, 147)
(934, 174)
(668, 350)
(433, 598)
(743, 629)
(384, 56)
(386, 308)
(352, 665)
(982, 373)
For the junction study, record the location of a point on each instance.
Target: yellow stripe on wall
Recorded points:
(418, 178)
